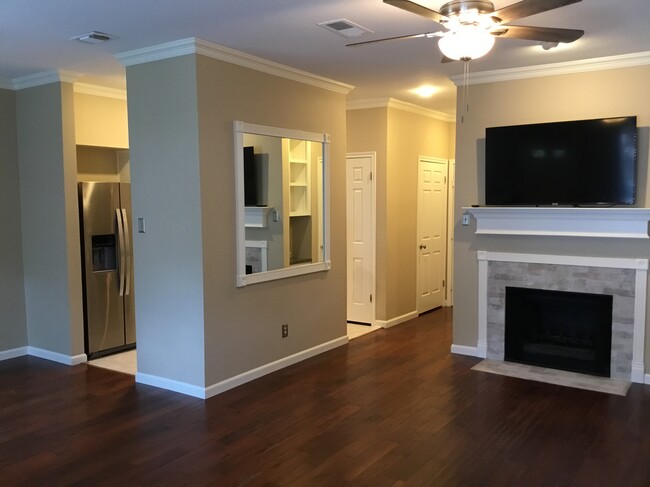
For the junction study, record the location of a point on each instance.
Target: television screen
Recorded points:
(579, 163)
(250, 177)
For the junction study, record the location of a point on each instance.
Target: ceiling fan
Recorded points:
(473, 25)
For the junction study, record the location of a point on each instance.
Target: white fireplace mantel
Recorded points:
(562, 221)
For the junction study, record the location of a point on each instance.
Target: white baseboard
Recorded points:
(170, 385)
(13, 353)
(57, 357)
(465, 350)
(397, 321)
(646, 379)
(637, 375)
(223, 386)
(240, 379)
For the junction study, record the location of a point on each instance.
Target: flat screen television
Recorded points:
(575, 163)
(251, 196)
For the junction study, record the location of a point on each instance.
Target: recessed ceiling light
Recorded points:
(94, 37)
(425, 91)
(345, 28)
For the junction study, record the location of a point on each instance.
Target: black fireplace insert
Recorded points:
(558, 329)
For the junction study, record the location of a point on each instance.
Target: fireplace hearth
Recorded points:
(569, 331)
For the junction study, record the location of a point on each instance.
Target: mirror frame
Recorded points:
(243, 279)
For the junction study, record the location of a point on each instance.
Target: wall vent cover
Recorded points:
(93, 37)
(345, 28)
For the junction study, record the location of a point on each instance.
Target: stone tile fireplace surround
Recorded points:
(625, 279)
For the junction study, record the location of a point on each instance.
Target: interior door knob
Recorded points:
(422, 246)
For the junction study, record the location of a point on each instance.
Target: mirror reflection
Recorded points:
(282, 203)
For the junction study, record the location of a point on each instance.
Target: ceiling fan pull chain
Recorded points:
(465, 98)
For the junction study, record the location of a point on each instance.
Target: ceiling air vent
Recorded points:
(93, 37)
(345, 28)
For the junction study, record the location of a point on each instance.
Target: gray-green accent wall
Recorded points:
(50, 218)
(13, 326)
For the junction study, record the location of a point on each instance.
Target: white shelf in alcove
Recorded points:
(257, 216)
(562, 221)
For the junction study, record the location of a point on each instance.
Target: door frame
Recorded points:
(437, 160)
(373, 227)
(451, 205)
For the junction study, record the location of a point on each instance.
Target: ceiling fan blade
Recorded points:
(526, 8)
(446, 59)
(417, 9)
(544, 34)
(408, 36)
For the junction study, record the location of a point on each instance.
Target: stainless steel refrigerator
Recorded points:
(106, 246)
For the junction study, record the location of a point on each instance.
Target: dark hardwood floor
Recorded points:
(391, 408)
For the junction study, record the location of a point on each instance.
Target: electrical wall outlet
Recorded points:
(285, 330)
(465, 219)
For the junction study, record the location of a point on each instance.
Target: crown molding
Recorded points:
(555, 69)
(399, 105)
(96, 90)
(45, 78)
(193, 45)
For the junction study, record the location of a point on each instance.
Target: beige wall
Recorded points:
(100, 121)
(367, 131)
(398, 137)
(609, 93)
(243, 325)
(97, 164)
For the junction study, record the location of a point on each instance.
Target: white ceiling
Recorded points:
(34, 38)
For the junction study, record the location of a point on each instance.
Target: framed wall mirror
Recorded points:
(282, 181)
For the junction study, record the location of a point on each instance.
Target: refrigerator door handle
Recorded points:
(129, 253)
(121, 249)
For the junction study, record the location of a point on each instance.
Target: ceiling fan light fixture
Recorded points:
(466, 43)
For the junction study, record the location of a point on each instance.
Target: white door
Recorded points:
(432, 233)
(360, 237)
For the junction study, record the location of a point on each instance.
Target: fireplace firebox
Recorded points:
(563, 330)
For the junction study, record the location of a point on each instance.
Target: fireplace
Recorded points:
(563, 330)
(624, 279)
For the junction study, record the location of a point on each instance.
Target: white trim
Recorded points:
(57, 357)
(170, 385)
(13, 353)
(646, 379)
(398, 320)
(96, 90)
(564, 222)
(399, 105)
(257, 216)
(464, 350)
(555, 69)
(481, 343)
(639, 265)
(194, 45)
(232, 382)
(45, 78)
(608, 262)
(258, 372)
(638, 343)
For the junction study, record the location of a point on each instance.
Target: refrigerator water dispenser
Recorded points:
(104, 253)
